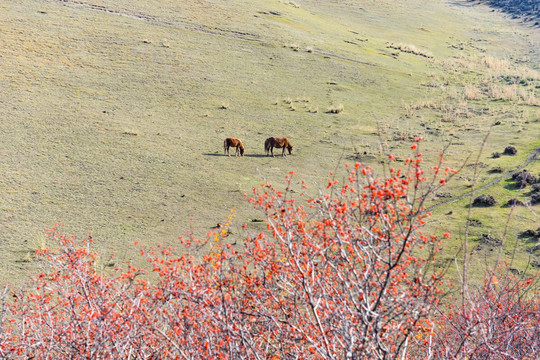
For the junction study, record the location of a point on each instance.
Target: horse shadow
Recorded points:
(256, 155)
(245, 155)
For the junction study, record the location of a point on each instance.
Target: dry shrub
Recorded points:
(502, 92)
(496, 320)
(411, 49)
(501, 67)
(450, 111)
(293, 4)
(471, 92)
(493, 67)
(409, 110)
(529, 97)
(335, 109)
(447, 117)
(497, 66)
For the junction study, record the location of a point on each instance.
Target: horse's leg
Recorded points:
(237, 152)
(272, 150)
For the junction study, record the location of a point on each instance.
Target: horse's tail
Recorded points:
(267, 145)
(225, 145)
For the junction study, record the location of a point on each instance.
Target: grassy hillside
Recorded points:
(114, 112)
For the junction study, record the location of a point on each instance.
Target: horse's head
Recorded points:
(289, 147)
(241, 150)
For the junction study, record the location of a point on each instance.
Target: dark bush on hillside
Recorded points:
(535, 198)
(522, 178)
(531, 233)
(510, 150)
(515, 202)
(487, 239)
(484, 201)
(475, 222)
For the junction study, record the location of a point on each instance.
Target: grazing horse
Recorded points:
(274, 142)
(232, 142)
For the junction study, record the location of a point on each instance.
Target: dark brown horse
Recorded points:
(232, 142)
(274, 142)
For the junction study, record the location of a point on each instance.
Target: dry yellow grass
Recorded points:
(410, 49)
(471, 92)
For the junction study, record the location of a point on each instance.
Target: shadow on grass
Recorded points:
(245, 155)
(479, 206)
(511, 184)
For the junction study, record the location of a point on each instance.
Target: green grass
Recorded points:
(112, 122)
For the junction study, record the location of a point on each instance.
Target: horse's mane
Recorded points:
(241, 146)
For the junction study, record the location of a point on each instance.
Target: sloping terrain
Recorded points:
(113, 113)
(527, 9)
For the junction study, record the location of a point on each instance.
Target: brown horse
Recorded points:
(232, 142)
(274, 142)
